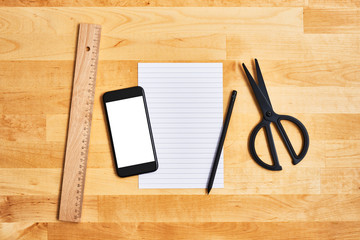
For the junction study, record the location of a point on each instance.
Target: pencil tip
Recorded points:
(208, 191)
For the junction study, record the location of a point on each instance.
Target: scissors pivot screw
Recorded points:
(268, 113)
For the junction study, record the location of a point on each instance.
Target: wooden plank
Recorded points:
(230, 208)
(233, 208)
(152, 3)
(301, 100)
(255, 180)
(156, 46)
(42, 208)
(334, 4)
(56, 126)
(33, 103)
(331, 21)
(35, 76)
(48, 155)
(190, 33)
(226, 230)
(342, 153)
(116, 74)
(23, 231)
(291, 46)
(104, 181)
(31, 154)
(33, 181)
(32, 76)
(40, 181)
(22, 128)
(118, 22)
(298, 73)
(343, 127)
(183, 46)
(340, 180)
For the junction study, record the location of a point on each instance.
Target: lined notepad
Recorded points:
(185, 102)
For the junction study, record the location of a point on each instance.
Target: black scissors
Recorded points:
(269, 116)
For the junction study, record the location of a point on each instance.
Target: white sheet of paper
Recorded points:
(185, 102)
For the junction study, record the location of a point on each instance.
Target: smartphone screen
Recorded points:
(130, 131)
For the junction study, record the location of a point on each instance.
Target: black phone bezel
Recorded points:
(122, 94)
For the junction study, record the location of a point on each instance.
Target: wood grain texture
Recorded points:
(309, 53)
(62, 22)
(302, 230)
(189, 33)
(340, 180)
(334, 3)
(23, 230)
(234, 208)
(39, 181)
(80, 118)
(335, 100)
(23, 128)
(331, 21)
(41, 209)
(342, 153)
(293, 46)
(152, 3)
(247, 230)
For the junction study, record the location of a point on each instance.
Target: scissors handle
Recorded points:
(270, 141)
(305, 136)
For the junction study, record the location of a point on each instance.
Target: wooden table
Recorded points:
(309, 52)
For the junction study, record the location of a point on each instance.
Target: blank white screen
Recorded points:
(130, 132)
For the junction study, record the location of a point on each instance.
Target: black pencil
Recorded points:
(221, 142)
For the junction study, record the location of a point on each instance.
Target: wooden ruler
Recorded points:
(81, 109)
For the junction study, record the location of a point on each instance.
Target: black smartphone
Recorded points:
(130, 132)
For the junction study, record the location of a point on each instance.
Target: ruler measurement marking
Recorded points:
(81, 108)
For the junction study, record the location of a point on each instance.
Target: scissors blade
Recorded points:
(261, 99)
(261, 83)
